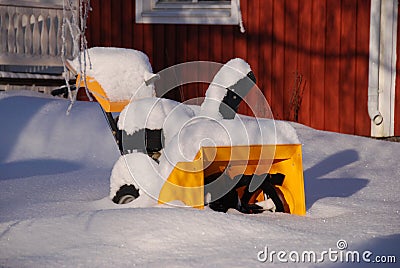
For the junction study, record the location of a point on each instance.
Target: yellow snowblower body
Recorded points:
(186, 181)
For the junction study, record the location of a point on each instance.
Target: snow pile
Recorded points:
(351, 187)
(155, 113)
(145, 178)
(121, 72)
(243, 130)
(42, 131)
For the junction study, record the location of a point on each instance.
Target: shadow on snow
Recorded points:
(317, 188)
(36, 167)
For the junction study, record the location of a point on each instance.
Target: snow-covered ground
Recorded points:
(55, 210)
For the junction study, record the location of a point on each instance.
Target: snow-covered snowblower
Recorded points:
(197, 156)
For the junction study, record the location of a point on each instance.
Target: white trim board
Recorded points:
(386, 73)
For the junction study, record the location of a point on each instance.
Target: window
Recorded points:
(188, 11)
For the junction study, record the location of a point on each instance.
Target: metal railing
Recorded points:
(31, 33)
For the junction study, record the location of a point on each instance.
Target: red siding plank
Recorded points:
(252, 33)
(240, 50)
(291, 53)
(216, 45)
(193, 43)
(170, 45)
(192, 51)
(265, 46)
(137, 31)
(105, 22)
(181, 53)
(332, 66)
(240, 42)
(362, 121)
(347, 68)
(94, 23)
(204, 44)
(317, 85)
(127, 24)
(116, 24)
(148, 42)
(181, 43)
(304, 63)
(278, 59)
(228, 43)
(138, 37)
(158, 47)
(170, 55)
(253, 55)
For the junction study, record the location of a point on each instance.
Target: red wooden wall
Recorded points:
(325, 42)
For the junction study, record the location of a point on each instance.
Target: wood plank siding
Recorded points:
(319, 48)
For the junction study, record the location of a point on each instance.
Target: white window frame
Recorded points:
(213, 12)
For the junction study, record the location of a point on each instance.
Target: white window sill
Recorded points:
(176, 13)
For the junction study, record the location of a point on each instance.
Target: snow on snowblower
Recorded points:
(193, 155)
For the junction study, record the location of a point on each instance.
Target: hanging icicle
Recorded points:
(76, 27)
(241, 25)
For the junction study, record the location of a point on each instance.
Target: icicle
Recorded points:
(84, 13)
(241, 25)
(63, 37)
(77, 32)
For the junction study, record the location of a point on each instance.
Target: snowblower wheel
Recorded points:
(232, 199)
(126, 194)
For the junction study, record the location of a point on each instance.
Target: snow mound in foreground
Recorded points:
(351, 187)
(38, 130)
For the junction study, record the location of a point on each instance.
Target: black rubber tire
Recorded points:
(126, 194)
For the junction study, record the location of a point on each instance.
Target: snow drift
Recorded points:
(351, 194)
(38, 128)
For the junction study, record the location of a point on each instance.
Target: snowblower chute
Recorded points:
(187, 180)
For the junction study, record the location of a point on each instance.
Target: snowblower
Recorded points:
(252, 165)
